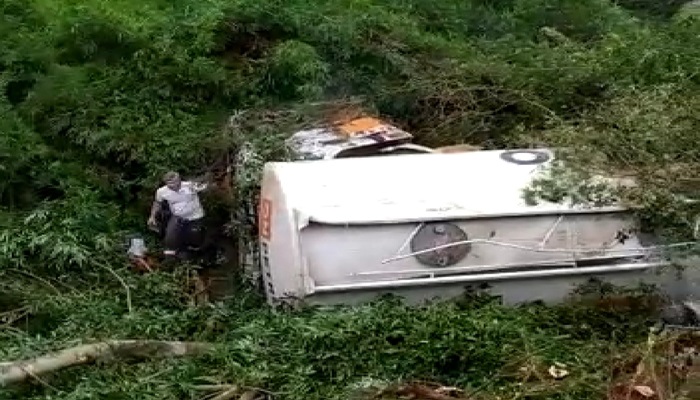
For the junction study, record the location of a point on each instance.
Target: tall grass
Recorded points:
(98, 98)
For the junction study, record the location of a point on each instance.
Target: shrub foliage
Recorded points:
(98, 98)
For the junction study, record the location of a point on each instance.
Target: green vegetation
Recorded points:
(98, 98)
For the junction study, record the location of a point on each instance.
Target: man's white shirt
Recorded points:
(183, 203)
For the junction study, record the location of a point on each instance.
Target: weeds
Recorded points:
(98, 98)
(479, 347)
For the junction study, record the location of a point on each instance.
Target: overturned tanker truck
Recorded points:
(340, 224)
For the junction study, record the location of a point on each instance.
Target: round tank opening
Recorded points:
(524, 156)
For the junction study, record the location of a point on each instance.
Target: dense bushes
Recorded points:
(136, 88)
(327, 354)
(98, 98)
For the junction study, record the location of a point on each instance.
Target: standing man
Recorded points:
(184, 228)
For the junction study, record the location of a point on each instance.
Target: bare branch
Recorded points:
(19, 371)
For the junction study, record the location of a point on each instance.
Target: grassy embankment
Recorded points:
(99, 97)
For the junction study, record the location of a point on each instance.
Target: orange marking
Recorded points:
(360, 125)
(265, 219)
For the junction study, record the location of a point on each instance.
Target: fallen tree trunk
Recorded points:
(19, 371)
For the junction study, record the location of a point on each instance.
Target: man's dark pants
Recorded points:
(181, 233)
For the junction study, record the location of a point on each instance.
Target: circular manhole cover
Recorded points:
(436, 234)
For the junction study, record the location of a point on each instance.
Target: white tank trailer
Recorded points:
(427, 225)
